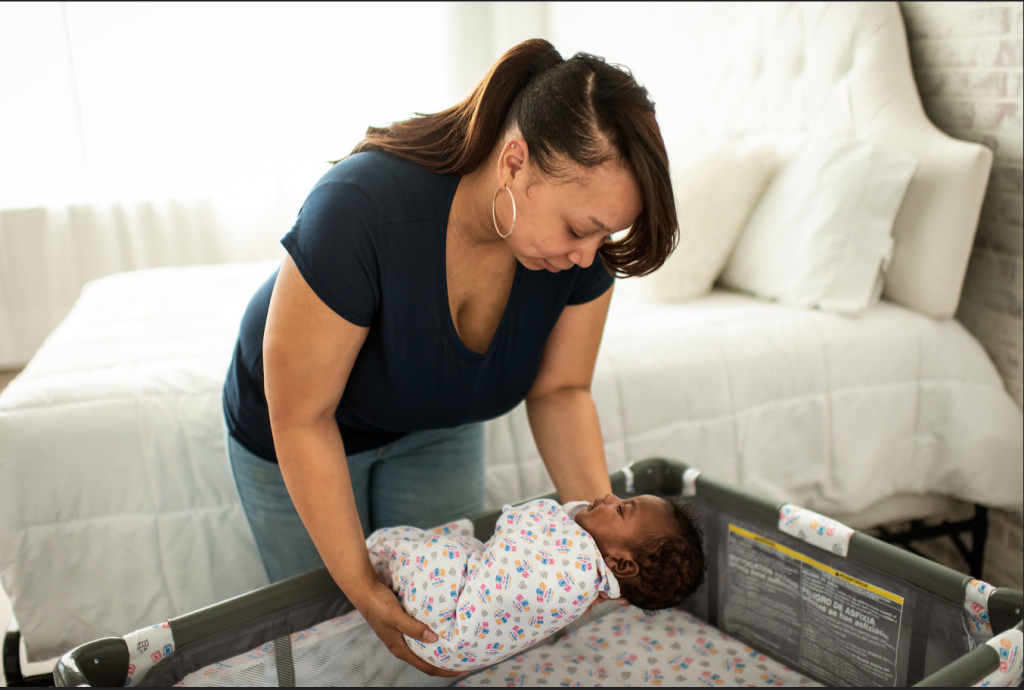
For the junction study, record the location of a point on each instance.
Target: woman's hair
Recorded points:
(576, 112)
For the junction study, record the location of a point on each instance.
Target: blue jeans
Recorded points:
(424, 479)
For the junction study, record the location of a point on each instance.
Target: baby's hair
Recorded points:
(672, 566)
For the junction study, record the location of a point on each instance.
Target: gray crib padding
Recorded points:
(822, 617)
(965, 671)
(864, 549)
(933, 577)
(245, 608)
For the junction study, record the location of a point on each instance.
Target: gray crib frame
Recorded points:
(104, 662)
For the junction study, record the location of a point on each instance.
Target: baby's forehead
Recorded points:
(658, 510)
(657, 503)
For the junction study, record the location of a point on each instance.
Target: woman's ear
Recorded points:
(511, 159)
(622, 566)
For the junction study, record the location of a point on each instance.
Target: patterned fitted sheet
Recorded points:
(629, 648)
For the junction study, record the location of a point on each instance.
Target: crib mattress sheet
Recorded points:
(627, 648)
(113, 473)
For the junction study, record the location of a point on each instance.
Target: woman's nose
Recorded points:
(581, 259)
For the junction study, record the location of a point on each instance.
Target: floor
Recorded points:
(1004, 561)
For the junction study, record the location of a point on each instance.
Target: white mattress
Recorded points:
(117, 506)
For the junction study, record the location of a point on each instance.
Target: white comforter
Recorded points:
(117, 507)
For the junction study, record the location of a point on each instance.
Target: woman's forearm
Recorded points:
(315, 470)
(568, 434)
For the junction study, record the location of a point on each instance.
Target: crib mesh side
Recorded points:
(318, 642)
(342, 652)
(835, 620)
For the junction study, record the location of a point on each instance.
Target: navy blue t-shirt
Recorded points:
(370, 242)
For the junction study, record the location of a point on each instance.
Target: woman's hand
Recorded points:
(389, 620)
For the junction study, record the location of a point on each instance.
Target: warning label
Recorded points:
(833, 626)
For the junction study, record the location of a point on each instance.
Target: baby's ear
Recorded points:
(622, 566)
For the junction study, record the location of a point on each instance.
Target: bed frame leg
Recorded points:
(979, 535)
(976, 526)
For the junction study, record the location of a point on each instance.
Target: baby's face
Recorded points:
(617, 524)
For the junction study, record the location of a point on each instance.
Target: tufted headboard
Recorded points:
(835, 66)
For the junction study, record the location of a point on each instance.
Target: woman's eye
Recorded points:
(573, 233)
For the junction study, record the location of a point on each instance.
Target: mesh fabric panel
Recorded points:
(342, 652)
(255, 668)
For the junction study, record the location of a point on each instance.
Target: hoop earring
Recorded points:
(494, 218)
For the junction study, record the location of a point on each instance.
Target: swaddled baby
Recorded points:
(544, 567)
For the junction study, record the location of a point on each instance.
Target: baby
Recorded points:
(544, 567)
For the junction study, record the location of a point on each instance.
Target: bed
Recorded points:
(117, 506)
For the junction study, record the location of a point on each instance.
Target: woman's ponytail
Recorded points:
(459, 139)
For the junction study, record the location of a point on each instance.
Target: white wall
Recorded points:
(140, 135)
(967, 59)
(669, 48)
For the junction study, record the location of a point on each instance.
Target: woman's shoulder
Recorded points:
(375, 166)
(400, 189)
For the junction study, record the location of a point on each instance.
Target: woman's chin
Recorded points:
(531, 264)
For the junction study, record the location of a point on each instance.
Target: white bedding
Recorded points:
(117, 506)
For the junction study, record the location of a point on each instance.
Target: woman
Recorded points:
(454, 265)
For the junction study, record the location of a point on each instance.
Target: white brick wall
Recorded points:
(967, 58)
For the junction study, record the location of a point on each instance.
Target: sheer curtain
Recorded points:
(138, 135)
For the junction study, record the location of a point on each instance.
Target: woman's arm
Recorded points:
(308, 353)
(561, 411)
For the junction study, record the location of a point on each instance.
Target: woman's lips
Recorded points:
(551, 268)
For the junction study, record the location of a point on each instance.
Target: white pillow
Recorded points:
(821, 235)
(716, 184)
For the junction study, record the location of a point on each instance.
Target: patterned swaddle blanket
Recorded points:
(489, 601)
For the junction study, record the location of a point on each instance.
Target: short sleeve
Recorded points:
(335, 245)
(590, 283)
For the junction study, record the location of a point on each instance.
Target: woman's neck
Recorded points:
(470, 217)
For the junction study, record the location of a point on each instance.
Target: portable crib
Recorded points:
(839, 606)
